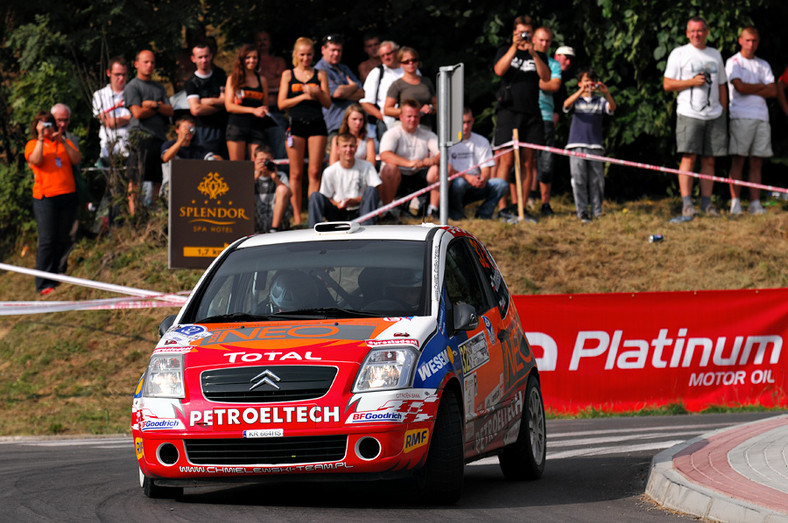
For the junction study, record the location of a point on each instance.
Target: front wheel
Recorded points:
(525, 458)
(440, 480)
(157, 492)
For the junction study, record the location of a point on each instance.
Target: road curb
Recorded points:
(671, 489)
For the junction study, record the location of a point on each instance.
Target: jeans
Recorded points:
(55, 219)
(461, 193)
(321, 208)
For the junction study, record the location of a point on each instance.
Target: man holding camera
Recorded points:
(520, 67)
(272, 193)
(697, 73)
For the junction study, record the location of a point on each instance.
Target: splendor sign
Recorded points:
(211, 205)
(620, 352)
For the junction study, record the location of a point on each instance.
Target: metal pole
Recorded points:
(444, 115)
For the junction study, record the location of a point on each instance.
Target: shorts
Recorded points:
(411, 183)
(307, 128)
(702, 137)
(144, 161)
(544, 158)
(529, 126)
(750, 137)
(246, 131)
(212, 139)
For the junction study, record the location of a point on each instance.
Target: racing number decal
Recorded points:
(481, 255)
(516, 357)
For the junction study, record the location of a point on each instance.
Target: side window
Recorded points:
(493, 276)
(461, 278)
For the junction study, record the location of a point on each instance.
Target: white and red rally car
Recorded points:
(355, 351)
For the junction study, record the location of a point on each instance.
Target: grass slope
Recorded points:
(75, 372)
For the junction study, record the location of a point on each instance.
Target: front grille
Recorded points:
(295, 383)
(268, 451)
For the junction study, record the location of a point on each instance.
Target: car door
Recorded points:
(479, 350)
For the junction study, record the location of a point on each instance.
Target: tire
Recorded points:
(157, 492)
(440, 480)
(525, 458)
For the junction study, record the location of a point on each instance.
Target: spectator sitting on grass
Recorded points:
(349, 187)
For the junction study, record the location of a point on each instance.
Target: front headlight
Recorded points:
(164, 377)
(386, 369)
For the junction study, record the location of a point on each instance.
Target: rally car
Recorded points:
(345, 350)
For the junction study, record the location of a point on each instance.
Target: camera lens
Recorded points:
(191, 130)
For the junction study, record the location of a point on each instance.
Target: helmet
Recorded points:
(293, 290)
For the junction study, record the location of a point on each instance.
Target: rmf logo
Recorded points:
(415, 439)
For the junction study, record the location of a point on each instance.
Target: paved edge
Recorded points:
(671, 489)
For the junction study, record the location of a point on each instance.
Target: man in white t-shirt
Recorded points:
(697, 73)
(475, 155)
(751, 82)
(377, 85)
(109, 109)
(348, 189)
(410, 157)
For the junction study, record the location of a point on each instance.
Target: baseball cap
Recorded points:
(566, 50)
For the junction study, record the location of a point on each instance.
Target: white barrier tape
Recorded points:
(568, 152)
(407, 198)
(174, 298)
(11, 308)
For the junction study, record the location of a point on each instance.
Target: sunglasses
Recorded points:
(409, 61)
(387, 54)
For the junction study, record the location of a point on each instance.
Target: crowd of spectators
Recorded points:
(338, 120)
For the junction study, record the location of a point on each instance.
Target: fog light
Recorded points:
(368, 448)
(167, 454)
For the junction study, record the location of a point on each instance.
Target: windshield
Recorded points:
(326, 279)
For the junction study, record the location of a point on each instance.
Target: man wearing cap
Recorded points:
(565, 56)
(343, 85)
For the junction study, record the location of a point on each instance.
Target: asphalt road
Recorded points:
(596, 471)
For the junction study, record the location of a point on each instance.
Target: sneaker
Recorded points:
(756, 207)
(414, 206)
(46, 291)
(546, 210)
(711, 211)
(735, 207)
(585, 218)
(689, 211)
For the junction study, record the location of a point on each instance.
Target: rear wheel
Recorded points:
(440, 480)
(157, 492)
(525, 458)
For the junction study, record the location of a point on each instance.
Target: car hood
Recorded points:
(313, 341)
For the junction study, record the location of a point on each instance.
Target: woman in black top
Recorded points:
(303, 93)
(246, 100)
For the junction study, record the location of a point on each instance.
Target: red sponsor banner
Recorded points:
(623, 352)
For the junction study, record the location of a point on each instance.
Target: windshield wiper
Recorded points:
(324, 312)
(234, 317)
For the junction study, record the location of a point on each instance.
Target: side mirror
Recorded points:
(165, 325)
(465, 317)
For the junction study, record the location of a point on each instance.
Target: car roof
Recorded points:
(342, 231)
